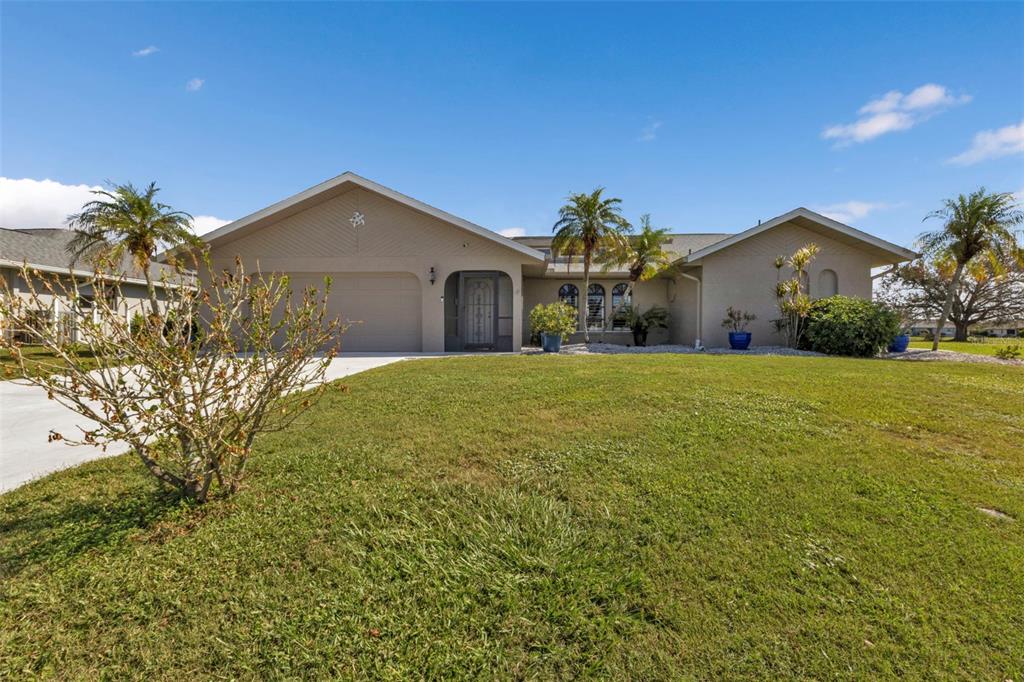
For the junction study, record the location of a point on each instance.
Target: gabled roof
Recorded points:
(886, 251)
(306, 196)
(46, 250)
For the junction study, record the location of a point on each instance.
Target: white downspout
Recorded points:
(700, 310)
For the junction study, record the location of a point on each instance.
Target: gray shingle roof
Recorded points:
(48, 247)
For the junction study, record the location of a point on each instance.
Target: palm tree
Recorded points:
(125, 221)
(587, 225)
(973, 225)
(643, 255)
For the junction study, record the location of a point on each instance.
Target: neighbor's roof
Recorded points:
(886, 252)
(306, 197)
(46, 249)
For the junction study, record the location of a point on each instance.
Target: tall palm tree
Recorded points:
(126, 221)
(642, 254)
(974, 225)
(588, 224)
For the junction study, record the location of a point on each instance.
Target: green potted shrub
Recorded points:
(553, 323)
(640, 323)
(736, 322)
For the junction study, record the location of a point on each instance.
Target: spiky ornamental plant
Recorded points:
(189, 392)
(791, 294)
(587, 225)
(975, 224)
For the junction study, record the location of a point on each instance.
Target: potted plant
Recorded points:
(736, 322)
(553, 323)
(640, 323)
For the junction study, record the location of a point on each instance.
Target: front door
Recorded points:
(480, 310)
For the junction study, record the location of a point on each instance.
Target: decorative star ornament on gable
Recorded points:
(357, 219)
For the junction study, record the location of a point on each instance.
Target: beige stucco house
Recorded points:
(415, 278)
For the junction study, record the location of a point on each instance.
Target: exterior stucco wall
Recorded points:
(394, 239)
(645, 294)
(683, 306)
(744, 276)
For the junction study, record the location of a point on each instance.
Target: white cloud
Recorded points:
(27, 203)
(850, 211)
(207, 223)
(649, 132)
(991, 144)
(195, 84)
(894, 111)
(513, 232)
(146, 51)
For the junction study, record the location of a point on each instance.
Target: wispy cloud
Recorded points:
(146, 51)
(894, 111)
(849, 211)
(513, 232)
(992, 144)
(195, 84)
(649, 132)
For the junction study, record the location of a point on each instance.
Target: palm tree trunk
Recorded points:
(585, 295)
(948, 306)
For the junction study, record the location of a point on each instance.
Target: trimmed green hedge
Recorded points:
(840, 325)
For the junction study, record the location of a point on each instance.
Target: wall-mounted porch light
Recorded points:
(433, 276)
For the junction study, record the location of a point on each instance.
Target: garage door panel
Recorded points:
(383, 310)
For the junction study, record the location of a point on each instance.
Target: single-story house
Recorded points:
(417, 278)
(45, 251)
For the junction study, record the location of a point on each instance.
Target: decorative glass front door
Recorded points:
(480, 310)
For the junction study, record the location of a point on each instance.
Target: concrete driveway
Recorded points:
(27, 417)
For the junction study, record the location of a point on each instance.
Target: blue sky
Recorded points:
(709, 117)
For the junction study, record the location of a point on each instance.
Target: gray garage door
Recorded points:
(383, 309)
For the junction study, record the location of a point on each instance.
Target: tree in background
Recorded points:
(976, 225)
(990, 290)
(126, 222)
(642, 254)
(587, 225)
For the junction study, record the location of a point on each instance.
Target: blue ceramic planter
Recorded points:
(739, 340)
(899, 344)
(551, 343)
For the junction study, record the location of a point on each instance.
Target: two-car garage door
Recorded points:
(383, 309)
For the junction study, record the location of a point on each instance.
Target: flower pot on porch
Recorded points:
(551, 343)
(640, 338)
(739, 340)
(899, 344)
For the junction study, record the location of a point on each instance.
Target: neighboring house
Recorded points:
(45, 250)
(419, 279)
(1004, 329)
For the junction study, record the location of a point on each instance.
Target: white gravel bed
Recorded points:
(924, 355)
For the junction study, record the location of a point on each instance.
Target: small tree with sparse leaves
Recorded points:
(191, 380)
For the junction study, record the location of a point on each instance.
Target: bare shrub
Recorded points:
(189, 378)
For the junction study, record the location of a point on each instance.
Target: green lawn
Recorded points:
(642, 517)
(38, 359)
(988, 346)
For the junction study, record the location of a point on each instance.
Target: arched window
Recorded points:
(595, 307)
(569, 294)
(619, 298)
(828, 284)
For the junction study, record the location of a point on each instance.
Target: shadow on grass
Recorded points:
(52, 521)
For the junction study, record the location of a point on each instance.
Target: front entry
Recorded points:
(479, 310)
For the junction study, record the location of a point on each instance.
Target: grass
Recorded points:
(987, 346)
(644, 517)
(38, 359)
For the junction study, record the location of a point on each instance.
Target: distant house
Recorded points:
(45, 251)
(1004, 329)
(418, 278)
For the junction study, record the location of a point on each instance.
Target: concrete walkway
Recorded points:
(27, 417)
